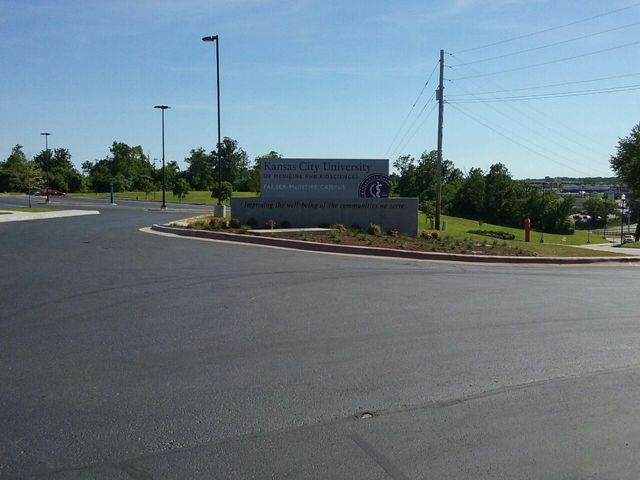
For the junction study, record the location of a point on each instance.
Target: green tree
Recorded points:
(234, 162)
(200, 171)
(500, 196)
(12, 170)
(469, 200)
(180, 188)
(420, 179)
(626, 164)
(147, 186)
(599, 209)
(222, 193)
(127, 167)
(254, 176)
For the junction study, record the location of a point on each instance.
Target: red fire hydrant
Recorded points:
(527, 230)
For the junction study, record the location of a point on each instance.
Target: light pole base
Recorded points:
(163, 207)
(220, 210)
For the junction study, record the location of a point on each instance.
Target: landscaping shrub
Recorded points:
(217, 223)
(494, 233)
(234, 223)
(252, 222)
(393, 231)
(429, 234)
(374, 229)
(270, 224)
(340, 227)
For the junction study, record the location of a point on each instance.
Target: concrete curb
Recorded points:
(385, 252)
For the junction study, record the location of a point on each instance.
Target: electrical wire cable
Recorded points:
(549, 119)
(419, 127)
(411, 109)
(551, 29)
(548, 137)
(576, 93)
(549, 45)
(415, 120)
(551, 85)
(559, 60)
(523, 145)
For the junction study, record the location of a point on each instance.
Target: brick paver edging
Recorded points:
(384, 252)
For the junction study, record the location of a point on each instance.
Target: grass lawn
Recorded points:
(196, 197)
(554, 245)
(458, 227)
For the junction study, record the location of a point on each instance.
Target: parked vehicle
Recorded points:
(52, 192)
(629, 239)
(34, 191)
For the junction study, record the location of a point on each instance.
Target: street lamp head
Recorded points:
(210, 38)
(45, 133)
(163, 107)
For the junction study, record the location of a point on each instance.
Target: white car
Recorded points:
(629, 239)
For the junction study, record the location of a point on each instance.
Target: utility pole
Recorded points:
(440, 99)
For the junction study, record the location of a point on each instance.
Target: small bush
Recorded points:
(355, 227)
(393, 231)
(494, 233)
(270, 224)
(218, 223)
(429, 234)
(374, 229)
(252, 222)
(198, 224)
(340, 227)
(244, 229)
(234, 223)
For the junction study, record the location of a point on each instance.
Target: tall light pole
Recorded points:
(46, 149)
(163, 108)
(214, 38)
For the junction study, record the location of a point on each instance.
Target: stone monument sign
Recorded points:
(308, 192)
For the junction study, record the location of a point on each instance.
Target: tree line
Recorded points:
(492, 196)
(128, 168)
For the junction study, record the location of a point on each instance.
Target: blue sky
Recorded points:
(329, 79)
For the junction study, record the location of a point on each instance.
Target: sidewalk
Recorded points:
(610, 247)
(24, 216)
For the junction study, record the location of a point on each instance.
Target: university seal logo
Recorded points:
(374, 186)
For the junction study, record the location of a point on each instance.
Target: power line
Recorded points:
(576, 93)
(547, 137)
(559, 60)
(610, 12)
(427, 116)
(411, 109)
(412, 125)
(544, 114)
(538, 87)
(555, 44)
(516, 141)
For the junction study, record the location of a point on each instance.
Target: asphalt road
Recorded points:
(126, 354)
